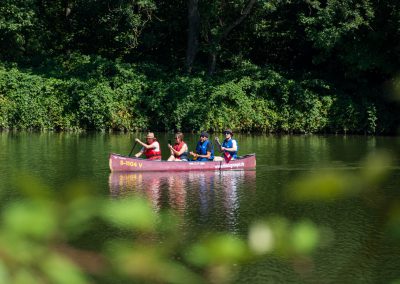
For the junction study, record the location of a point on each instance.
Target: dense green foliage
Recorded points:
(94, 93)
(267, 66)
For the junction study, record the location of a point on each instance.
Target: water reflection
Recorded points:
(205, 193)
(148, 186)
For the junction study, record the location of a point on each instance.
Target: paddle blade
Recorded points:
(227, 157)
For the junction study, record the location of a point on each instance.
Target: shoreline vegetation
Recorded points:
(84, 92)
(255, 66)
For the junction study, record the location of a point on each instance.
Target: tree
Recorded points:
(219, 32)
(111, 28)
(19, 25)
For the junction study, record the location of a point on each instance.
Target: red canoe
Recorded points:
(119, 163)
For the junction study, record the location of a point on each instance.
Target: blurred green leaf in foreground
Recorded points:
(366, 184)
(330, 185)
(42, 240)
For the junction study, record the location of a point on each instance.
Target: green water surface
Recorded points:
(360, 250)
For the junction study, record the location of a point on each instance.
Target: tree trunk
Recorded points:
(192, 34)
(213, 62)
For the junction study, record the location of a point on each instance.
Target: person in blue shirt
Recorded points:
(229, 147)
(204, 149)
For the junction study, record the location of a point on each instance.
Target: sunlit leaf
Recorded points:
(130, 213)
(62, 271)
(4, 274)
(283, 238)
(221, 249)
(280, 228)
(324, 186)
(150, 263)
(25, 275)
(305, 237)
(34, 219)
(20, 248)
(261, 238)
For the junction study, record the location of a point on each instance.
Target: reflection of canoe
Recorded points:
(124, 182)
(196, 190)
(130, 181)
(119, 163)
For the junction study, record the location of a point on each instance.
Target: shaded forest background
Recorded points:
(298, 66)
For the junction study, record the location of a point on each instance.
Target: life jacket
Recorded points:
(152, 154)
(177, 147)
(201, 149)
(229, 144)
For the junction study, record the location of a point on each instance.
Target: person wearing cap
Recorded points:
(229, 147)
(204, 149)
(151, 149)
(179, 152)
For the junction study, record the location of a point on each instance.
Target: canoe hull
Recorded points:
(119, 163)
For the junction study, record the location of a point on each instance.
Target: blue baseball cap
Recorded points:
(204, 134)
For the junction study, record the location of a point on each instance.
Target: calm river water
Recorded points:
(361, 250)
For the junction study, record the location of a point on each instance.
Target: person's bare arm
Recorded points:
(232, 149)
(151, 146)
(138, 154)
(178, 153)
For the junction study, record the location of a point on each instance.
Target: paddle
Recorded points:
(217, 141)
(169, 143)
(134, 145)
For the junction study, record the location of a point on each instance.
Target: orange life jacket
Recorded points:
(177, 147)
(152, 154)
